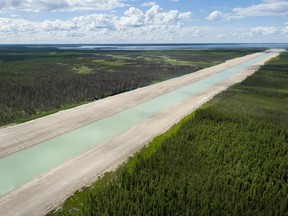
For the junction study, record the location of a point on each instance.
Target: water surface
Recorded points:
(139, 47)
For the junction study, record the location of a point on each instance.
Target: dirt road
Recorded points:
(50, 189)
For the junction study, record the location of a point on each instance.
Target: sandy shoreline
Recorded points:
(50, 189)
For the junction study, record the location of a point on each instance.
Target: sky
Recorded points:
(140, 21)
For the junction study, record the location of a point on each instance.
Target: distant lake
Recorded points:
(150, 46)
(170, 46)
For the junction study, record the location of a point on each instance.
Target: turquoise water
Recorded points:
(22, 166)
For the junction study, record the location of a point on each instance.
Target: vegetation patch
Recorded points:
(110, 63)
(228, 158)
(82, 69)
(119, 57)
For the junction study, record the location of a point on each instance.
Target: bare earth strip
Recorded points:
(50, 189)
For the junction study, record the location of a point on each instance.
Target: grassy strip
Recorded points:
(82, 69)
(110, 63)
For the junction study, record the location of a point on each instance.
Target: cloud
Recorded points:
(196, 34)
(262, 31)
(221, 36)
(148, 4)
(255, 32)
(133, 17)
(63, 5)
(216, 15)
(266, 8)
(285, 29)
(8, 25)
(155, 16)
(134, 24)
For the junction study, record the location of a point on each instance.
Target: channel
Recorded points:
(21, 167)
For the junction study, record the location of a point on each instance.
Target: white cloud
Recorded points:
(285, 29)
(56, 25)
(152, 17)
(148, 4)
(14, 15)
(93, 22)
(134, 24)
(186, 15)
(8, 25)
(262, 31)
(196, 34)
(55, 5)
(132, 17)
(221, 36)
(216, 15)
(266, 8)
(255, 32)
